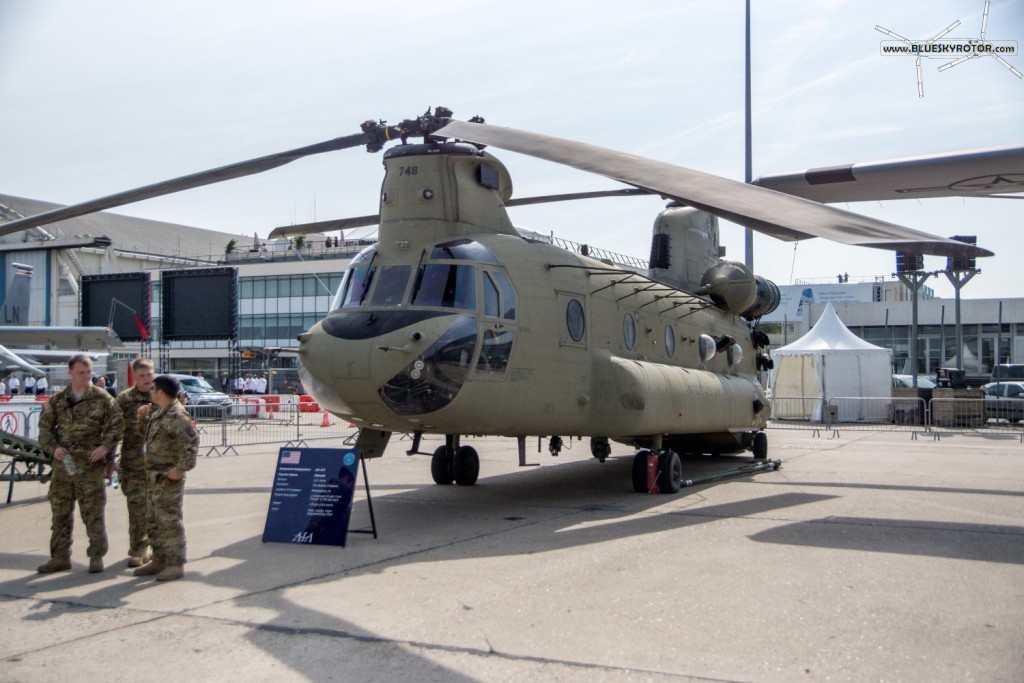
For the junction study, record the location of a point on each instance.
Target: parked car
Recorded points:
(1004, 401)
(1008, 372)
(204, 402)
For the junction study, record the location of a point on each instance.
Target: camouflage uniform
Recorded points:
(132, 466)
(79, 427)
(171, 442)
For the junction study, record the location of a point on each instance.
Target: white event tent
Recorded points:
(830, 362)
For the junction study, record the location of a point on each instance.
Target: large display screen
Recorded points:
(199, 304)
(119, 301)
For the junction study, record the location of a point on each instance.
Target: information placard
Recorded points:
(311, 501)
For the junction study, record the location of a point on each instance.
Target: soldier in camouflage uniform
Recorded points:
(132, 464)
(172, 444)
(80, 423)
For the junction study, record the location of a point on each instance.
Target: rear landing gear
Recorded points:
(760, 446)
(670, 472)
(662, 472)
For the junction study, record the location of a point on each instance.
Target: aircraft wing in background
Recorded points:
(59, 337)
(997, 171)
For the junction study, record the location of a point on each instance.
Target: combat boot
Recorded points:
(150, 569)
(140, 557)
(54, 564)
(95, 565)
(171, 573)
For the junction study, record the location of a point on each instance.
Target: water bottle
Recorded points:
(115, 481)
(69, 463)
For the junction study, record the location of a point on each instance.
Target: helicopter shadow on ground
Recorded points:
(425, 524)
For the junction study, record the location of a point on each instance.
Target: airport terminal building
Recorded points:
(283, 291)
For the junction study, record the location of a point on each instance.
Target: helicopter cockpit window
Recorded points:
(490, 296)
(499, 297)
(463, 250)
(356, 282)
(445, 285)
(355, 287)
(508, 295)
(494, 352)
(391, 286)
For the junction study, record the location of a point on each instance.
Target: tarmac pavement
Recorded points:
(866, 557)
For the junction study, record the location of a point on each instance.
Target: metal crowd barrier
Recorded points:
(252, 421)
(913, 415)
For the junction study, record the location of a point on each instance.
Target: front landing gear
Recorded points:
(459, 464)
(662, 472)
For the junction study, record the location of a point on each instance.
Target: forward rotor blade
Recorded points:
(773, 213)
(324, 226)
(216, 175)
(362, 221)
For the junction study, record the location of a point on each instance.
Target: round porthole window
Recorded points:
(629, 331)
(575, 319)
(670, 340)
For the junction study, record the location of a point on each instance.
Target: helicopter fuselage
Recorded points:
(452, 323)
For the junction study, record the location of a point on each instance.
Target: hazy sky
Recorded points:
(107, 95)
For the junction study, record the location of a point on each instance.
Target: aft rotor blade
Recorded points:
(773, 213)
(216, 175)
(363, 221)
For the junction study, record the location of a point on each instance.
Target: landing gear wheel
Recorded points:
(465, 466)
(600, 448)
(640, 471)
(441, 466)
(670, 472)
(760, 446)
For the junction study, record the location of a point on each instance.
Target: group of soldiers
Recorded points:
(81, 427)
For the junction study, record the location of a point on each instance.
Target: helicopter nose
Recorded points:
(379, 366)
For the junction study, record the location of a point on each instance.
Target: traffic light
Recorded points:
(959, 263)
(909, 263)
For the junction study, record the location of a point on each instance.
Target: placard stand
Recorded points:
(312, 497)
(372, 529)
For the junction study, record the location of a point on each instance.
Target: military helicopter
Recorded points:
(453, 323)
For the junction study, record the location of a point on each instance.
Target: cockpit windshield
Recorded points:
(445, 285)
(355, 285)
(437, 283)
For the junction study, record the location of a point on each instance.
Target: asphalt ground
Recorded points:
(868, 557)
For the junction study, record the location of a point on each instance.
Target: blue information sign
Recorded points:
(311, 501)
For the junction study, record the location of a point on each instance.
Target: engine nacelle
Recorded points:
(766, 300)
(730, 285)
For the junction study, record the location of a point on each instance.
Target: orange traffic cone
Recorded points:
(326, 421)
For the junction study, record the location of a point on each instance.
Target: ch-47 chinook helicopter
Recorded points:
(455, 324)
